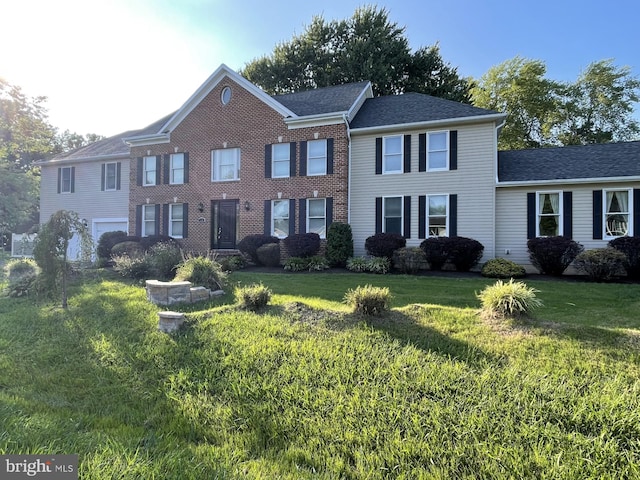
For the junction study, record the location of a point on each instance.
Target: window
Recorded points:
(392, 154)
(65, 180)
(317, 157)
(176, 220)
(392, 215)
(148, 220)
(280, 158)
(549, 214)
(225, 164)
(616, 213)
(280, 218)
(176, 168)
(438, 150)
(225, 95)
(317, 216)
(149, 169)
(437, 215)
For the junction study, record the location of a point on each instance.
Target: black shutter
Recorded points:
(138, 220)
(292, 159)
(453, 150)
(407, 154)
(303, 159)
(156, 211)
(186, 167)
(597, 214)
(531, 215)
(407, 217)
(302, 212)
(158, 168)
(422, 216)
(329, 156)
(165, 219)
(636, 212)
(102, 176)
(140, 172)
(453, 215)
(379, 156)
(267, 217)
(167, 169)
(185, 220)
(422, 152)
(567, 213)
(378, 214)
(73, 179)
(329, 212)
(59, 179)
(118, 175)
(292, 216)
(267, 162)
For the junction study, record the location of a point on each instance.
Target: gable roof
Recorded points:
(605, 160)
(337, 98)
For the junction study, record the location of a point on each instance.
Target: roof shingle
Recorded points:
(338, 98)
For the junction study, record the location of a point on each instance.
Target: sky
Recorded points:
(108, 66)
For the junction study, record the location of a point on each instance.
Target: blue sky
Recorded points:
(108, 66)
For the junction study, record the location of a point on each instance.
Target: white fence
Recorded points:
(22, 245)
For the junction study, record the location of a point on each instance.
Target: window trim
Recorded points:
(385, 171)
(171, 220)
(172, 169)
(309, 217)
(105, 186)
(62, 170)
(384, 217)
(273, 160)
(447, 151)
(215, 165)
(324, 158)
(143, 230)
(273, 217)
(560, 214)
(152, 159)
(447, 224)
(629, 212)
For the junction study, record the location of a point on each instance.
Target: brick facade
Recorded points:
(249, 124)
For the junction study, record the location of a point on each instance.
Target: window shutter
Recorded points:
(292, 216)
(407, 217)
(59, 179)
(267, 163)
(378, 214)
(118, 175)
(292, 160)
(453, 150)
(329, 156)
(567, 214)
(102, 176)
(158, 168)
(73, 179)
(422, 216)
(186, 167)
(422, 152)
(185, 220)
(531, 215)
(636, 212)
(165, 219)
(140, 172)
(138, 220)
(379, 156)
(329, 212)
(302, 213)
(407, 154)
(303, 159)
(597, 214)
(267, 217)
(156, 211)
(453, 215)
(167, 169)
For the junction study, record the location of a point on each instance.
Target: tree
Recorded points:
(367, 46)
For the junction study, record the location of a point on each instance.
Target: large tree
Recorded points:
(367, 46)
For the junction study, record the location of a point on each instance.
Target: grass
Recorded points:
(307, 390)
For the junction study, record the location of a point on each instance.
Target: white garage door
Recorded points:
(100, 227)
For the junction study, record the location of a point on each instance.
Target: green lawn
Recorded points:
(307, 390)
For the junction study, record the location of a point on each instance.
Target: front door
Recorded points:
(224, 224)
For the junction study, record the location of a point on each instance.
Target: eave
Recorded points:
(143, 140)
(431, 124)
(560, 181)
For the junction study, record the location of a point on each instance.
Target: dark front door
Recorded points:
(224, 222)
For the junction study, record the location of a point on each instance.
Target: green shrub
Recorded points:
(249, 245)
(317, 263)
(508, 299)
(502, 268)
(600, 264)
(296, 264)
(464, 253)
(231, 263)
(552, 255)
(152, 240)
(379, 265)
(358, 264)
(436, 251)
(303, 245)
(22, 275)
(384, 244)
(253, 297)
(368, 300)
(163, 258)
(339, 244)
(130, 248)
(106, 242)
(630, 246)
(137, 267)
(269, 255)
(409, 260)
(201, 272)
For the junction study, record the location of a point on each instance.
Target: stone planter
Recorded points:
(169, 322)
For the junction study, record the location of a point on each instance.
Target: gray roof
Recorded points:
(572, 162)
(338, 98)
(412, 108)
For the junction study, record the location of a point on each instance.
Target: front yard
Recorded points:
(308, 390)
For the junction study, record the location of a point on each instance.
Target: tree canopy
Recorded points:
(367, 46)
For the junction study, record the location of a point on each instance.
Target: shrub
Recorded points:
(339, 244)
(630, 246)
(436, 251)
(600, 264)
(358, 264)
(368, 300)
(130, 248)
(231, 263)
(163, 258)
(303, 245)
(409, 260)
(464, 253)
(106, 243)
(296, 264)
(253, 297)
(552, 255)
(250, 244)
(508, 299)
(152, 240)
(22, 274)
(502, 268)
(384, 244)
(379, 265)
(317, 263)
(201, 271)
(131, 267)
(269, 255)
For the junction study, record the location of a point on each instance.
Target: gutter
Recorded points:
(346, 122)
(569, 181)
(430, 123)
(111, 156)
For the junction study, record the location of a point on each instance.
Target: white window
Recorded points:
(148, 220)
(549, 214)
(65, 180)
(617, 209)
(150, 173)
(176, 168)
(317, 157)
(176, 220)
(392, 154)
(280, 160)
(280, 218)
(110, 176)
(437, 215)
(438, 151)
(225, 164)
(317, 216)
(392, 215)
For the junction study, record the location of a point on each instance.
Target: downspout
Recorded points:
(495, 188)
(346, 123)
